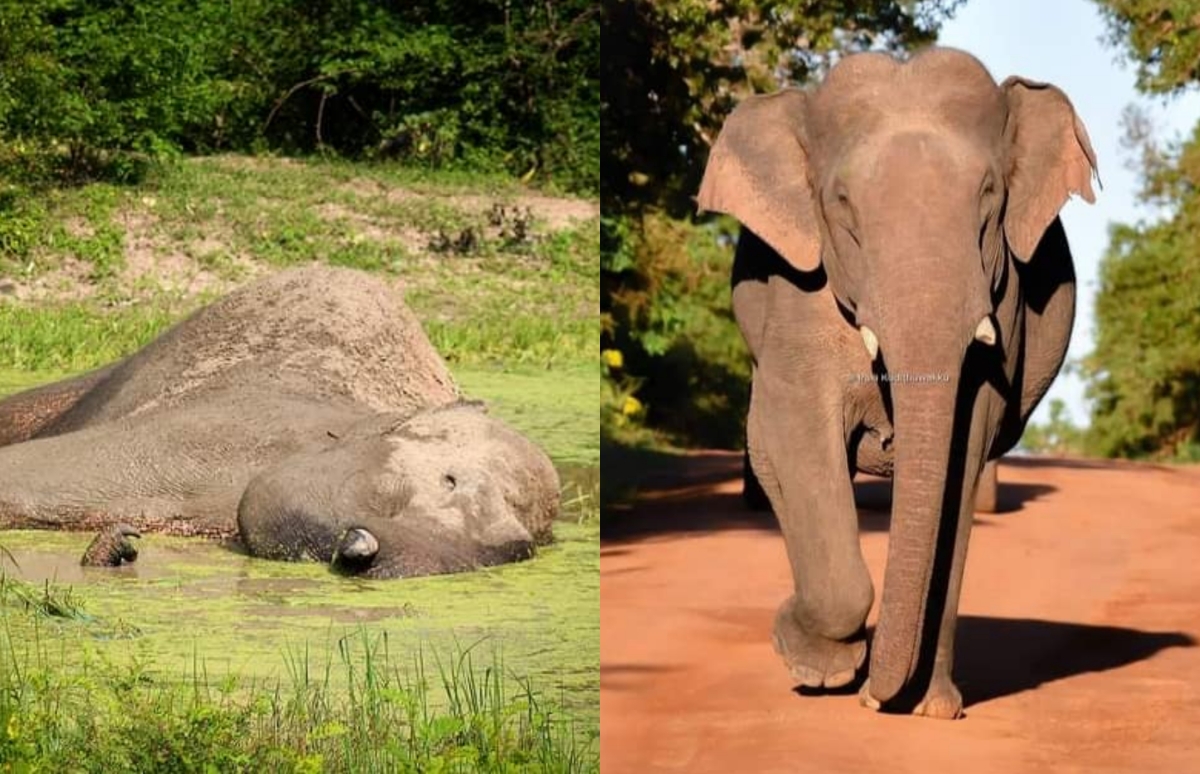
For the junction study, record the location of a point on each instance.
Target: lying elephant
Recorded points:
(905, 287)
(306, 413)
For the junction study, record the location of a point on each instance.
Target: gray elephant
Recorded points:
(906, 290)
(305, 413)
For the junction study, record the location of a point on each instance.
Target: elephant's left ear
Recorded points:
(1050, 158)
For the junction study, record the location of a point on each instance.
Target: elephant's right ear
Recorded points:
(758, 172)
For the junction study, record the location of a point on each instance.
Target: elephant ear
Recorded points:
(758, 172)
(1050, 159)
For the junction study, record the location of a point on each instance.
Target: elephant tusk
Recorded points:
(358, 545)
(985, 331)
(871, 341)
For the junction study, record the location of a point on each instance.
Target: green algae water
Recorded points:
(190, 607)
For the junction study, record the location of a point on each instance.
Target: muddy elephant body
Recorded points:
(307, 414)
(906, 290)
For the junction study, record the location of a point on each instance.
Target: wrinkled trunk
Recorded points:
(924, 426)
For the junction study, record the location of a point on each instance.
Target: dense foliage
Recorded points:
(1144, 375)
(671, 73)
(88, 87)
(1161, 37)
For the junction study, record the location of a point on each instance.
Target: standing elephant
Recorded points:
(305, 413)
(905, 287)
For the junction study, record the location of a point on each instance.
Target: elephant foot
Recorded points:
(815, 661)
(866, 699)
(111, 547)
(942, 701)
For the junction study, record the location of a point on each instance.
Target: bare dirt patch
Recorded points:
(154, 261)
(66, 281)
(556, 213)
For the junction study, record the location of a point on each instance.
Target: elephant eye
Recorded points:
(449, 482)
(989, 186)
(844, 214)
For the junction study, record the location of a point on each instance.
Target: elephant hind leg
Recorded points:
(987, 489)
(27, 414)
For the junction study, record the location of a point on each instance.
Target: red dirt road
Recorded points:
(1078, 647)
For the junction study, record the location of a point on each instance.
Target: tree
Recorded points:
(1144, 374)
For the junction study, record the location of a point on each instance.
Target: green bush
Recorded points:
(90, 89)
(682, 356)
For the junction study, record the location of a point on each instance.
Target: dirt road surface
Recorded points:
(1077, 649)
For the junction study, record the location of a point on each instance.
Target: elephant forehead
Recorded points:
(930, 93)
(916, 138)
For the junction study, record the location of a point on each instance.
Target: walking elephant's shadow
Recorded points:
(999, 657)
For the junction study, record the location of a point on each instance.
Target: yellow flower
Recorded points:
(631, 406)
(11, 730)
(612, 358)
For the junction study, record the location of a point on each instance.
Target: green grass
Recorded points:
(74, 337)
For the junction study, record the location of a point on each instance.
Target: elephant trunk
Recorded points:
(931, 418)
(923, 422)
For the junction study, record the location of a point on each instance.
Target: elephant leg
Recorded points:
(986, 492)
(753, 494)
(799, 456)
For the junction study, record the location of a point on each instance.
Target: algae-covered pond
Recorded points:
(189, 603)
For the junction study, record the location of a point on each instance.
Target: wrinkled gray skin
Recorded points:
(911, 209)
(306, 413)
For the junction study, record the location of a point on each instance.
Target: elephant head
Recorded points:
(920, 189)
(446, 490)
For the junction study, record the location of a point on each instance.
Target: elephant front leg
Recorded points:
(800, 459)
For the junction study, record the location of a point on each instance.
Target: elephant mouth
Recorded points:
(355, 552)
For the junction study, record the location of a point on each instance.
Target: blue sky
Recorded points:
(1060, 41)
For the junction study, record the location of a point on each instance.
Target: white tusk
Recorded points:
(985, 331)
(871, 342)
